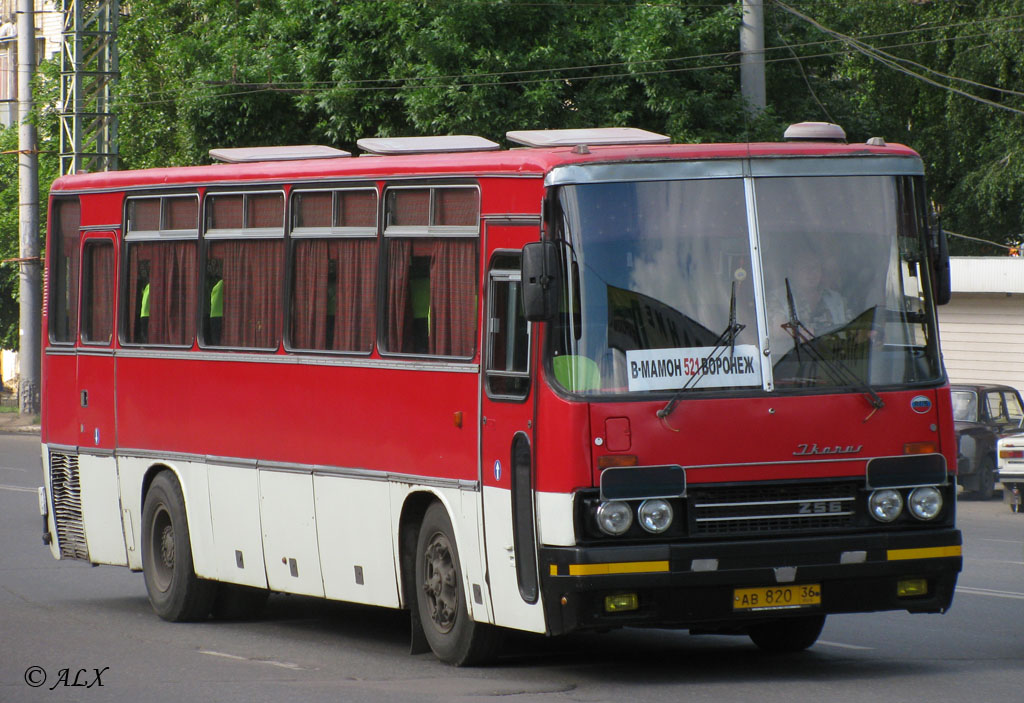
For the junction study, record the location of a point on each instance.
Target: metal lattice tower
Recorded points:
(88, 69)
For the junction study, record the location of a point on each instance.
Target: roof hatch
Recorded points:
(241, 155)
(592, 137)
(391, 146)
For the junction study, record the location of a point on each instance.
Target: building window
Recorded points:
(431, 241)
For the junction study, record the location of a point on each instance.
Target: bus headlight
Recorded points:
(925, 503)
(886, 505)
(655, 515)
(614, 517)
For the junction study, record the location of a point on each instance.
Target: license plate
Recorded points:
(777, 597)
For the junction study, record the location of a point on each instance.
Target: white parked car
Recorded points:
(1010, 452)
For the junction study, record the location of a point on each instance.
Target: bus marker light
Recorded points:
(908, 588)
(621, 602)
(609, 460)
(920, 448)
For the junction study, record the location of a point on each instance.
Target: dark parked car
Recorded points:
(983, 413)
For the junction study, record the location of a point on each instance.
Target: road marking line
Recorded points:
(11, 468)
(19, 489)
(990, 592)
(842, 645)
(271, 662)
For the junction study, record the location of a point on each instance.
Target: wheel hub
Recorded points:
(440, 583)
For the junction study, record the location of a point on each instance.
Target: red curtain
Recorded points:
(309, 299)
(99, 298)
(355, 293)
(63, 309)
(352, 297)
(399, 321)
(453, 297)
(172, 292)
(252, 292)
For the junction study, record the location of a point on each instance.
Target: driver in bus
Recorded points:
(806, 294)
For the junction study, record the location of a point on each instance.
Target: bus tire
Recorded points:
(175, 592)
(453, 636)
(787, 634)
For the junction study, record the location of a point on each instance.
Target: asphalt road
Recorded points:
(63, 623)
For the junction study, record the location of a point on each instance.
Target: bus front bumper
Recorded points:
(728, 585)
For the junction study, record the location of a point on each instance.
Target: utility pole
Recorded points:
(29, 280)
(752, 55)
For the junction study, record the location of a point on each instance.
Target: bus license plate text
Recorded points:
(777, 597)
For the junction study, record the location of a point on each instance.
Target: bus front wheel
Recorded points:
(453, 636)
(787, 634)
(175, 592)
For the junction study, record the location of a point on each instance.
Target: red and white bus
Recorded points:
(596, 380)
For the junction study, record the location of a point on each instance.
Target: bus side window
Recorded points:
(508, 338)
(431, 281)
(97, 292)
(63, 300)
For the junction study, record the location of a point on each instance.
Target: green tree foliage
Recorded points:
(199, 74)
(46, 90)
(942, 59)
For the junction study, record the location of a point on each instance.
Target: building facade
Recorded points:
(982, 328)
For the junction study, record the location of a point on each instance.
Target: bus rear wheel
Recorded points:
(175, 592)
(453, 636)
(787, 634)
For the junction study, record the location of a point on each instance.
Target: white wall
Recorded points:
(982, 328)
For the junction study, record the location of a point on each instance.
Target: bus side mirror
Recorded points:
(541, 280)
(940, 266)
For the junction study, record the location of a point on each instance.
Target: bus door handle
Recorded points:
(85, 399)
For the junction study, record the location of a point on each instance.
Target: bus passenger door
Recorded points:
(100, 491)
(506, 450)
(96, 343)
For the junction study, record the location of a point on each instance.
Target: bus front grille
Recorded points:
(66, 493)
(726, 511)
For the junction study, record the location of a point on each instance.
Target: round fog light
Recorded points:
(885, 506)
(925, 503)
(655, 515)
(614, 517)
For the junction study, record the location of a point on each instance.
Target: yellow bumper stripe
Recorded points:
(626, 567)
(925, 553)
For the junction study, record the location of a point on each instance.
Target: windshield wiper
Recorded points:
(728, 337)
(840, 372)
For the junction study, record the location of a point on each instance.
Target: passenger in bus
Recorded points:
(215, 320)
(142, 324)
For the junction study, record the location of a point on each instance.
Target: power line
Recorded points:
(891, 61)
(466, 80)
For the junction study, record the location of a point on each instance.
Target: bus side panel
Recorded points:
(353, 522)
(194, 486)
(59, 401)
(465, 516)
(394, 420)
(101, 509)
(510, 610)
(237, 535)
(290, 548)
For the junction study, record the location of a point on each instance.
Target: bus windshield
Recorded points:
(732, 284)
